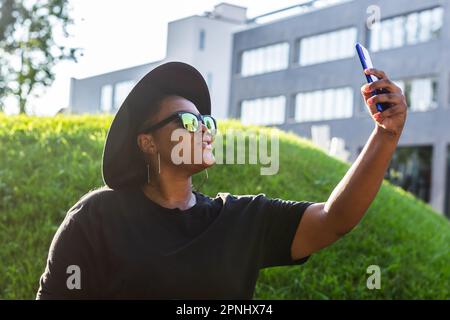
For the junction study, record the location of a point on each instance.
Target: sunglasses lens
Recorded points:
(210, 123)
(190, 122)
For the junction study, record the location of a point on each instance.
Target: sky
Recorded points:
(116, 34)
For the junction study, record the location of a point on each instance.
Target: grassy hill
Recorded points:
(47, 164)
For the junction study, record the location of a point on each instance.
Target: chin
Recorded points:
(202, 166)
(208, 158)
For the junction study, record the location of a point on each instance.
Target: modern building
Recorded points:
(301, 72)
(203, 41)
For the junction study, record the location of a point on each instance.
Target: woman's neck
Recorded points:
(170, 190)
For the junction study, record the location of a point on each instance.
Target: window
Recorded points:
(201, 40)
(106, 98)
(437, 18)
(408, 29)
(398, 32)
(420, 93)
(412, 28)
(264, 111)
(410, 169)
(388, 34)
(373, 36)
(425, 26)
(324, 104)
(327, 47)
(386, 39)
(122, 89)
(265, 59)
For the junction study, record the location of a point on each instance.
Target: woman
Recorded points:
(148, 234)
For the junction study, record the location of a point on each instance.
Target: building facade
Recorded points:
(302, 72)
(203, 41)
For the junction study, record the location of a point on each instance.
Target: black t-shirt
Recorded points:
(125, 246)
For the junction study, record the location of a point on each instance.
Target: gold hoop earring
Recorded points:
(148, 169)
(159, 164)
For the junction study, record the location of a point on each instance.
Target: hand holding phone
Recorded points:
(366, 63)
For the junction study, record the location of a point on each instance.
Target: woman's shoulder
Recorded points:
(97, 193)
(94, 200)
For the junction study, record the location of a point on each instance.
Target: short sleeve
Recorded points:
(282, 218)
(70, 264)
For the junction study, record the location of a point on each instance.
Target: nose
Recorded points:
(205, 129)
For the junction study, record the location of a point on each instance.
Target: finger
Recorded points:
(372, 109)
(385, 84)
(366, 95)
(399, 108)
(369, 94)
(377, 73)
(391, 98)
(378, 117)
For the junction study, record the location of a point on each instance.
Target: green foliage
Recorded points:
(30, 36)
(47, 164)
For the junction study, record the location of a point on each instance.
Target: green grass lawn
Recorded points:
(47, 164)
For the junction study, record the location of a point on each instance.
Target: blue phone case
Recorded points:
(366, 63)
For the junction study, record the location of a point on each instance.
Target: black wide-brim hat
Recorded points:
(122, 163)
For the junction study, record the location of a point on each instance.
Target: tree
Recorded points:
(28, 47)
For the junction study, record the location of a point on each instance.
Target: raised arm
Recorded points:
(324, 223)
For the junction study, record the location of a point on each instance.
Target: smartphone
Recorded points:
(366, 63)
